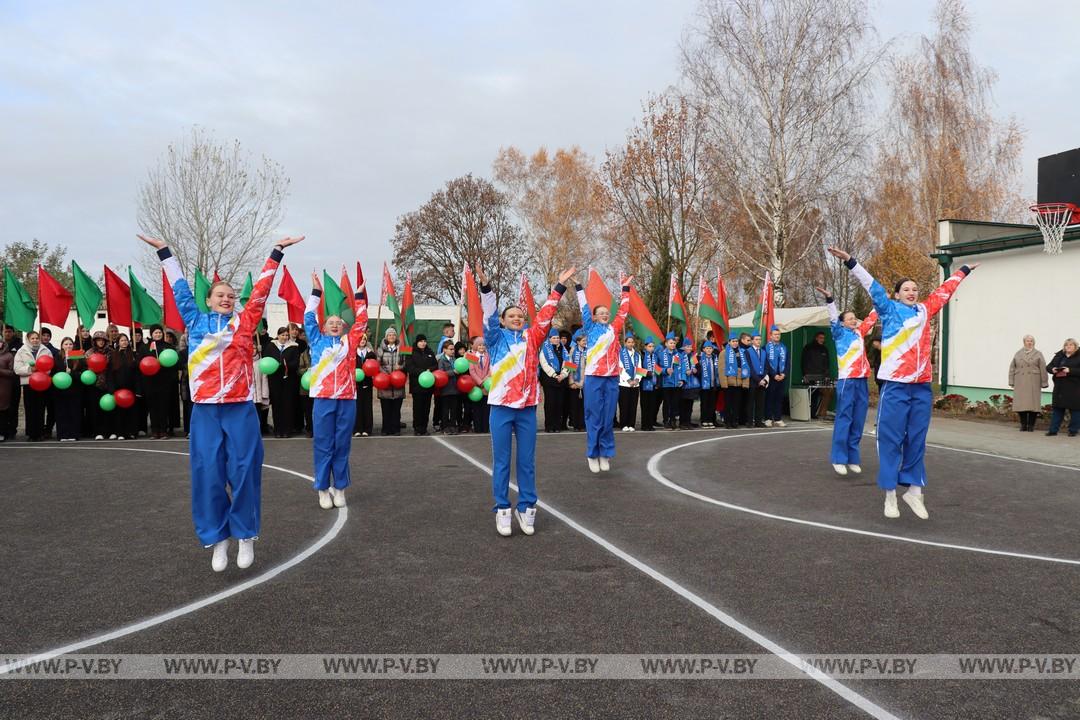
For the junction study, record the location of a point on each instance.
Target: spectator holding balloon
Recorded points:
(120, 382)
(390, 396)
(67, 396)
(419, 366)
(33, 362)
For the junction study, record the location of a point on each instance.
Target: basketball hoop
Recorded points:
(1052, 219)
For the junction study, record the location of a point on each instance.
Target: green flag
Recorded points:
(333, 297)
(87, 296)
(202, 289)
(20, 312)
(245, 294)
(144, 310)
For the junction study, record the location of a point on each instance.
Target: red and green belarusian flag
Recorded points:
(347, 310)
(677, 307)
(597, 294)
(711, 310)
(332, 298)
(526, 299)
(408, 316)
(641, 321)
(764, 314)
(388, 296)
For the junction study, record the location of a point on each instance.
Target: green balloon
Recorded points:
(268, 366)
(168, 358)
(461, 366)
(476, 394)
(426, 379)
(305, 380)
(61, 380)
(107, 403)
(360, 375)
(487, 384)
(88, 377)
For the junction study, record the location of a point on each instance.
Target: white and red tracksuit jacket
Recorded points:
(515, 355)
(602, 354)
(333, 359)
(851, 359)
(905, 329)
(220, 347)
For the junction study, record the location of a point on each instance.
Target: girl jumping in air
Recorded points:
(226, 445)
(601, 391)
(905, 404)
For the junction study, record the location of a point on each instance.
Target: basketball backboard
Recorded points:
(1059, 178)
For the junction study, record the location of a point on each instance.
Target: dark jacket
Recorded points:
(1067, 388)
(367, 353)
(7, 375)
(447, 365)
(418, 362)
(815, 360)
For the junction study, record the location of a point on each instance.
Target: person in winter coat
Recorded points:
(691, 388)
(100, 422)
(553, 380)
(365, 422)
(577, 380)
(1027, 378)
(479, 371)
(777, 367)
(905, 405)
(448, 393)
(226, 444)
(734, 379)
(390, 399)
(285, 381)
(1065, 367)
(422, 360)
(68, 402)
(122, 374)
(672, 378)
(33, 400)
(8, 379)
(649, 385)
(156, 388)
(710, 382)
(629, 384)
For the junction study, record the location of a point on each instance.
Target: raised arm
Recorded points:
(490, 307)
(359, 326)
(311, 318)
(185, 300)
(878, 294)
(830, 304)
(583, 303)
(937, 299)
(624, 307)
(546, 313)
(256, 304)
(868, 323)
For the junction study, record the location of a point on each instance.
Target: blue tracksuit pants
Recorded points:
(332, 422)
(601, 395)
(505, 423)
(903, 421)
(226, 452)
(852, 402)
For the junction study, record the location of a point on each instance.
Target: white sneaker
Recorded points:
(363, 434)
(625, 429)
(120, 437)
(594, 465)
(504, 522)
(142, 434)
(840, 469)
(356, 434)
(768, 423)
(915, 502)
(113, 436)
(220, 560)
(246, 554)
(99, 437)
(338, 496)
(855, 469)
(780, 423)
(526, 520)
(605, 464)
(325, 502)
(630, 429)
(891, 510)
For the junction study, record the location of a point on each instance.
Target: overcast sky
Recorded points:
(372, 106)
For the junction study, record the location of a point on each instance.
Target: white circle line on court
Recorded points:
(654, 471)
(859, 701)
(339, 522)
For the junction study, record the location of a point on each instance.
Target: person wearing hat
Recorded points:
(422, 359)
(629, 383)
(577, 380)
(710, 380)
(553, 380)
(777, 367)
(671, 379)
(735, 378)
(601, 391)
(649, 389)
(691, 387)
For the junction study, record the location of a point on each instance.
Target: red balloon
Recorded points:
(124, 398)
(398, 379)
(149, 365)
(44, 363)
(441, 378)
(97, 362)
(381, 381)
(465, 383)
(371, 367)
(40, 381)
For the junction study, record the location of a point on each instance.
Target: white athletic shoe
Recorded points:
(768, 423)
(338, 496)
(915, 502)
(526, 520)
(356, 434)
(780, 423)
(605, 464)
(625, 429)
(113, 436)
(325, 502)
(891, 510)
(504, 523)
(99, 437)
(855, 469)
(840, 469)
(246, 554)
(220, 560)
(630, 429)
(594, 465)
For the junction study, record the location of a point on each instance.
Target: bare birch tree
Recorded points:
(213, 204)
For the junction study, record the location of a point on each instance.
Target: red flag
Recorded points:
(722, 304)
(471, 300)
(388, 289)
(596, 292)
(359, 275)
(641, 321)
(708, 309)
(408, 316)
(288, 292)
(216, 278)
(526, 300)
(346, 286)
(117, 299)
(173, 319)
(54, 302)
(677, 308)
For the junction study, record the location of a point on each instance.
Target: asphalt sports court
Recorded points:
(701, 542)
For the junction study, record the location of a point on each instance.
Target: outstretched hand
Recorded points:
(823, 291)
(289, 241)
(152, 242)
(625, 280)
(481, 275)
(838, 253)
(972, 266)
(315, 281)
(566, 275)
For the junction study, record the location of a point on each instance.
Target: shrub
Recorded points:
(953, 403)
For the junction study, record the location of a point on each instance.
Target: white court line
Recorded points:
(837, 687)
(654, 470)
(342, 516)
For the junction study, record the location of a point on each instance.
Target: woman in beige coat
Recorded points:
(1027, 378)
